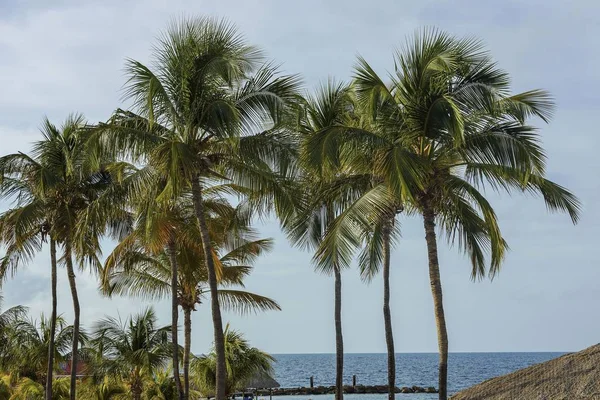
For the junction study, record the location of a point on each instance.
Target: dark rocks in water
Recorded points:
(358, 389)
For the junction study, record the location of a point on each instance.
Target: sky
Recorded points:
(69, 58)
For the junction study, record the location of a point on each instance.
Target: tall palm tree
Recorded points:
(77, 180)
(205, 110)
(132, 350)
(52, 186)
(325, 189)
(368, 201)
(25, 227)
(449, 109)
(243, 363)
(134, 269)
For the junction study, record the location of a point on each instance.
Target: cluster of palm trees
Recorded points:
(121, 359)
(216, 136)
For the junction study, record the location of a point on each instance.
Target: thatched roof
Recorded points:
(574, 376)
(262, 380)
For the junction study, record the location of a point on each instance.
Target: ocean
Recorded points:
(420, 369)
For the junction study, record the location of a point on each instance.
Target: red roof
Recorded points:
(65, 368)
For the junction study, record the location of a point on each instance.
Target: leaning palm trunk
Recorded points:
(52, 322)
(175, 317)
(220, 373)
(187, 329)
(436, 291)
(387, 317)
(76, 310)
(339, 339)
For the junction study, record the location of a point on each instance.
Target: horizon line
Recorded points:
(430, 352)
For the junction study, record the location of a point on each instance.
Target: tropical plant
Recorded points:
(28, 389)
(8, 319)
(30, 340)
(106, 389)
(5, 388)
(243, 363)
(162, 387)
(206, 110)
(133, 350)
(139, 268)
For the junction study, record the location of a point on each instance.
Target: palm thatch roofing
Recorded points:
(574, 376)
(262, 380)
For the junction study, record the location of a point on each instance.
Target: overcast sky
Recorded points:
(67, 58)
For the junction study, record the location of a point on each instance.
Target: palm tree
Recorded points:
(30, 340)
(134, 269)
(75, 179)
(449, 109)
(325, 189)
(51, 187)
(206, 111)
(24, 228)
(132, 350)
(243, 363)
(367, 200)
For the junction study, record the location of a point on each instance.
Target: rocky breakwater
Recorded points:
(358, 389)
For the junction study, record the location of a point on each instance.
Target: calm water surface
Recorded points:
(399, 396)
(464, 370)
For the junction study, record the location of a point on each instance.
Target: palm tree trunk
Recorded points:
(187, 323)
(52, 322)
(221, 374)
(339, 340)
(387, 317)
(136, 386)
(175, 317)
(76, 310)
(436, 291)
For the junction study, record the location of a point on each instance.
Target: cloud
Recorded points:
(69, 57)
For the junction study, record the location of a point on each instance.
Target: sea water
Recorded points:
(420, 369)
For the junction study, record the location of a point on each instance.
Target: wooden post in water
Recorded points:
(270, 393)
(312, 382)
(354, 381)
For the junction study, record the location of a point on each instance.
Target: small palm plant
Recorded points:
(131, 351)
(30, 341)
(243, 362)
(106, 389)
(8, 319)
